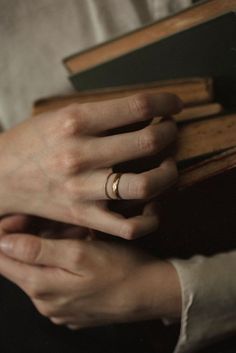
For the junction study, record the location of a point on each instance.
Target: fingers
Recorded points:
(149, 141)
(98, 185)
(14, 223)
(149, 184)
(27, 248)
(104, 152)
(33, 250)
(28, 278)
(127, 228)
(88, 186)
(101, 116)
(12, 270)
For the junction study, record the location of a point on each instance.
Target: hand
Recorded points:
(56, 165)
(42, 227)
(84, 283)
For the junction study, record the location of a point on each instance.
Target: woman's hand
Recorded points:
(84, 283)
(57, 165)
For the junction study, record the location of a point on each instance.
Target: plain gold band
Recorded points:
(115, 186)
(106, 191)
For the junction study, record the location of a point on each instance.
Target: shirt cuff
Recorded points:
(208, 287)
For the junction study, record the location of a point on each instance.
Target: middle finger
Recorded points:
(111, 150)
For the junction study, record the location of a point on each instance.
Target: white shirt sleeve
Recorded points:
(208, 300)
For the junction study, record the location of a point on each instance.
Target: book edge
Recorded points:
(94, 47)
(73, 75)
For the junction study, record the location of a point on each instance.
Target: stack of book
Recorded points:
(191, 54)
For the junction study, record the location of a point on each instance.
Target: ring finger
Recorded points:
(103, 184)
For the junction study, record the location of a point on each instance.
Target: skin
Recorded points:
(80, 281)
(56, 165)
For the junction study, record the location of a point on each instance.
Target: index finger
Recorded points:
(107, 115)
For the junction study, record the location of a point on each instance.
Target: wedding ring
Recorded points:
(106, 184)
(115, 186)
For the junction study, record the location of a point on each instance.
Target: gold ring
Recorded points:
(115, 186)
(106, 184)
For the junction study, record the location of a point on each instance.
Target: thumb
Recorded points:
(14, 223)
(33, 250)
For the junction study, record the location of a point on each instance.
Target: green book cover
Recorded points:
(205, 50)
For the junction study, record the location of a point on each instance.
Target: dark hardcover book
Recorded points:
(205, 50)
(188, 18)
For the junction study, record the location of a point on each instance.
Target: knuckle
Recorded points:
(129, 231)
(70, 162)
(148, 141)
(70, 125)
(72, 120)
(141, 106)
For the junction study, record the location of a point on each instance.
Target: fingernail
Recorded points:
(6, 245)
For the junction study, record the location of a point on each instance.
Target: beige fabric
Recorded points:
(36, 35)
(208, 300)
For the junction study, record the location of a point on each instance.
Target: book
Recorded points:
(192, 91)
(204, 50)
(218, 164)
(149, 34)
(206, 146)
(198, 112)
(206, 137)
(204, 149)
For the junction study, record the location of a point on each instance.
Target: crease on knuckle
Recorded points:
(148, 141)
(141, 106)
(71, 162)
(73, 122)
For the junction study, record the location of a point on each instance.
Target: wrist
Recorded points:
(159, 293)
